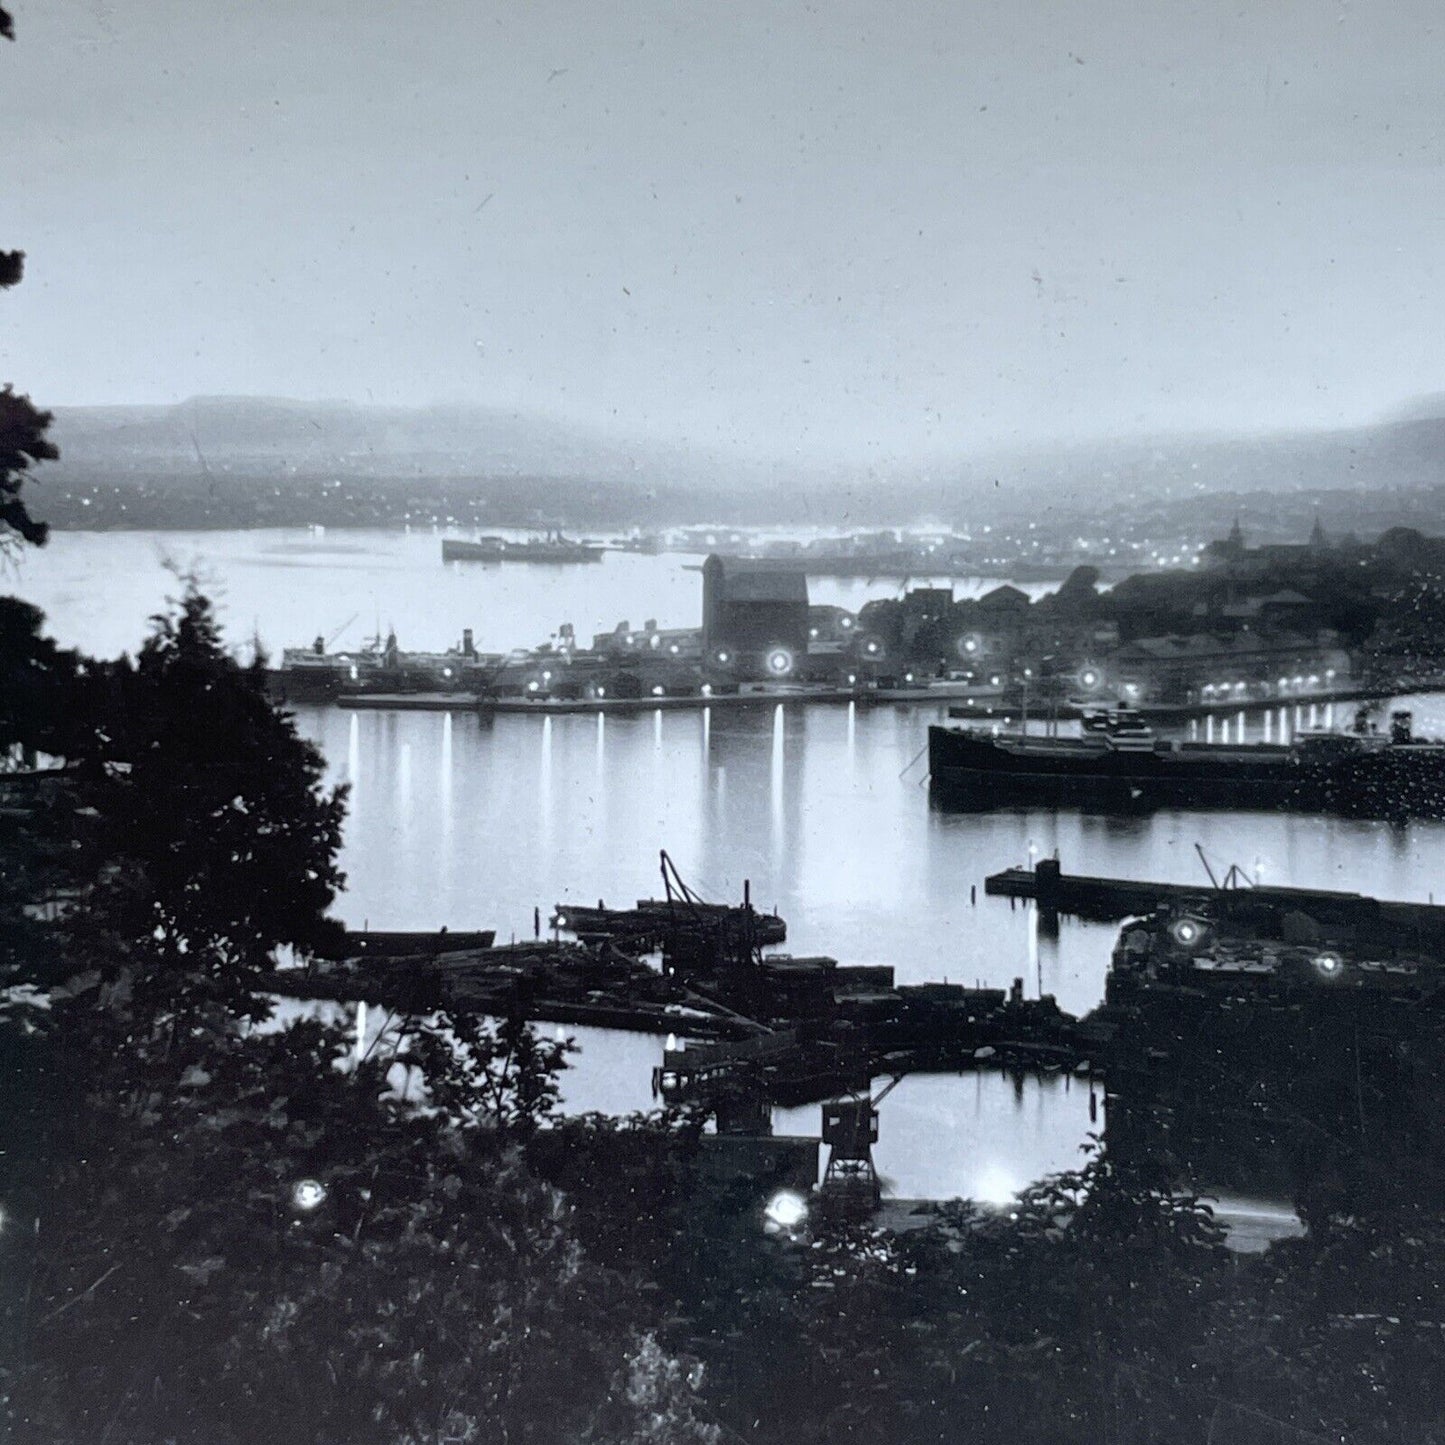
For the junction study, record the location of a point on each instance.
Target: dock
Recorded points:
(545, 981)
(408, 701)
(1105, 899)
(759, 695)
(773, 1028)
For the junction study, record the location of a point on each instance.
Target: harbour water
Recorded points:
(470, 824)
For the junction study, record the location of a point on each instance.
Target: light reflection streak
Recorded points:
(403, 787)
(776, 784)
(544, 787)
(444, 778)
(353, 762)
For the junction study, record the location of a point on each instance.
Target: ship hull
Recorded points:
(977, 773)
(553, 553)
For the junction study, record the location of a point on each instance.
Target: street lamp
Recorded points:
(308, 1195)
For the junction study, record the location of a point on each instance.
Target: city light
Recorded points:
(780, 662)
(658, 690)
(1187, 931)
(1329, 965)
(995, 1187)
(785, 1212)
(308, 1194)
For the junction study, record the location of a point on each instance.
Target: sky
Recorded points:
(863, 232)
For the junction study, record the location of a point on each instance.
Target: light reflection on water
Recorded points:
(810, 808)
(453, 821)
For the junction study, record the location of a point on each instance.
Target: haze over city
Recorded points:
(839, 234)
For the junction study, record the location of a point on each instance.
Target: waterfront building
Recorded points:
(1246, 667)
(754, 615)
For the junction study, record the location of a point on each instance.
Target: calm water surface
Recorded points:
(473, 825)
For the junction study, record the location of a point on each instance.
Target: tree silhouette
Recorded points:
(22, 425)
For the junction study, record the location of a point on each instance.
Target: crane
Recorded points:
(850, 1188)
(342, 628)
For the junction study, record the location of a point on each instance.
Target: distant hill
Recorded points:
(224, 446)
(1403, 453)
(250, 433)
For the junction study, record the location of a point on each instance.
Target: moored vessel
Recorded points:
(1119, 764)
(554, 548)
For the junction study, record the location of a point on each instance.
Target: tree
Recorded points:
(22, 425)
(229, 1231)
(202, 839)
(22, 443)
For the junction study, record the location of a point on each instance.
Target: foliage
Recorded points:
(228, 1230)
(181, 1291)
(22, 425)
(656, 1402)
(476, 1068)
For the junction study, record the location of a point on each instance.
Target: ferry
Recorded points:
(1117, 763)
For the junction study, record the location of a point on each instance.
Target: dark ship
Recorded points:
(315, 675)
(554, 548)
(1118, 764)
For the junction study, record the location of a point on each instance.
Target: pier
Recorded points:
(748, 1029)
(1420, 924)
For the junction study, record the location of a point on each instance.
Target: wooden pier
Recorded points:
(1107, 899)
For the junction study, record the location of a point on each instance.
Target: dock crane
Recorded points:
(850, 1188)
(322, 645)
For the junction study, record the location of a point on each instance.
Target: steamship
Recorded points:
(553, 548)
(1118, 764)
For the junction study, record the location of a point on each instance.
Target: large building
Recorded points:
(1248, 667)
(754, 613)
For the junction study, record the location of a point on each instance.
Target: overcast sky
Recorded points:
(896, 230)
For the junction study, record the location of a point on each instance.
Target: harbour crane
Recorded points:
(850, 1188)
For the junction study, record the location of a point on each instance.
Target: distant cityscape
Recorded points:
(1221, 625)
